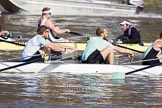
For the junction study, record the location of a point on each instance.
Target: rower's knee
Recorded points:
(106, 52)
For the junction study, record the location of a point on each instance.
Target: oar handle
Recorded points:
(147, 67)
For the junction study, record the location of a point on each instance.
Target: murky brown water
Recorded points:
(50, 90)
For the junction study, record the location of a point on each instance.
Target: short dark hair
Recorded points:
(100, 30)
(160, 35)
(45, 9)
(41, 29)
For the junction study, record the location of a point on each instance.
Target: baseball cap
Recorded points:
(125, 22)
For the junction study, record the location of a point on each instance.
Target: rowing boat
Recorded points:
(9, 46)
(80, 68)
(70, 7)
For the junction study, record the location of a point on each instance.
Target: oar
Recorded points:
(32, 61)
(139, 61)
(150, 66)
(75, 33)
(22, 64)
(17, 58)
(128, 48)
(16, 43)
(121, 75)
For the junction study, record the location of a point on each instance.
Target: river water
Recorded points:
(57, 90)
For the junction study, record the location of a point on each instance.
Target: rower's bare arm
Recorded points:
(57, 30)
(157, 45)
(69, 47)
(58, 47)
(54, 47)
(122, 50)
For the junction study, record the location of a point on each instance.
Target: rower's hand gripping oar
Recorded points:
(121, 75)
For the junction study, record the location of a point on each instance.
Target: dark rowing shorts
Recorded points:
(95, 58)
(151, 55)
(35, 58)
(151, 62)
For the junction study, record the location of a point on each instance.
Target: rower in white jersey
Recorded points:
(34, 48)
(53, 30)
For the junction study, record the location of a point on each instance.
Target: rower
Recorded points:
(45, 19)
(35, 46)
(99, 50)
(153, 52)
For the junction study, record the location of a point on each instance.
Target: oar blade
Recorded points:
(118, 75)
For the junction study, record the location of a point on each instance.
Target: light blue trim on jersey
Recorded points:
(148, 50)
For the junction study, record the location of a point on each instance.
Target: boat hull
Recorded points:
(80, 68)
(65, 7)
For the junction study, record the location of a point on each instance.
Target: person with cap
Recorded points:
(35, 46)
(45, 19)
(130, 35)
(153, 52)
(99, 50)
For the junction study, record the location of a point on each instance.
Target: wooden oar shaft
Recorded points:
(147, 67)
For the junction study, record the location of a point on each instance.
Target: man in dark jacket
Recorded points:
(130, 35)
